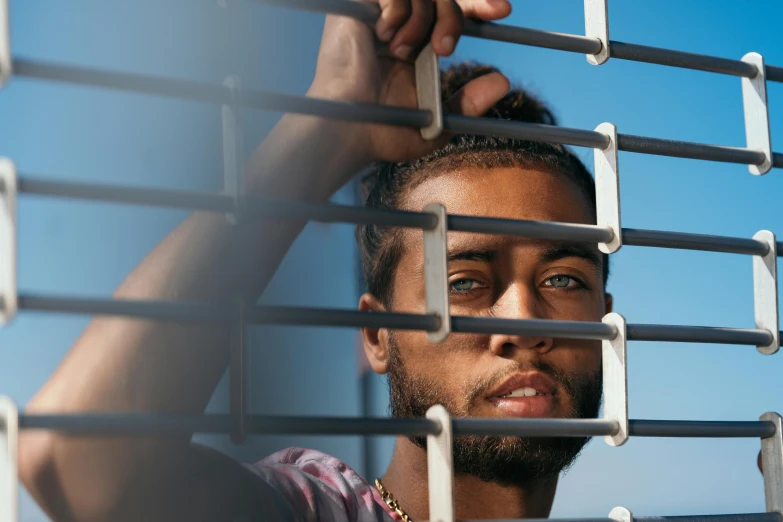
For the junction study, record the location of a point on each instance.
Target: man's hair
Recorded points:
(387, 184)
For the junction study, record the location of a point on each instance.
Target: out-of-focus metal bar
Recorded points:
(684, 149)
(233, 153)
(239, 373)
(685, 241)
(222, 95)
(712, 429)
(8, 196)
(9, 478)
(671, 58)
(697, 334)
(123, 194)
(774, 74)
(5, 44)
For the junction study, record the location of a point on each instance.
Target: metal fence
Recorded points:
(435, 223)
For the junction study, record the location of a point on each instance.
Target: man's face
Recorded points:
(506, 277)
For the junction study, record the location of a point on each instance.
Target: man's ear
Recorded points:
(376, 341)
(609, 301)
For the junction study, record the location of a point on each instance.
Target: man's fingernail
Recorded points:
(448, 44)
(402, 51)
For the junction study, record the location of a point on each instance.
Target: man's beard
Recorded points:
(505, 460)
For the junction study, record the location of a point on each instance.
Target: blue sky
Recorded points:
(68, 132)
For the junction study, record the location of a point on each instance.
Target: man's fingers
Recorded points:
(479, 95)
(394, 13)
(411, 36)
(448, 27)
(486, 10)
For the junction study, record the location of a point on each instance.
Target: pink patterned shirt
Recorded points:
(307, 485)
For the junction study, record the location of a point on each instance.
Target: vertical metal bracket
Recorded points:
(436, 278)
(233, 150)
(238, 373)
(428, 91)
(9, 482)
(607, 189)
(615, 374)
(440, 467)
(597, 26)
(754, 100)
(8, 295)
(621, 514)
(772, 461)
(6, 64)
(765, 291)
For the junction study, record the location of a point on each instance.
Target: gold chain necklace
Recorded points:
(391, 501)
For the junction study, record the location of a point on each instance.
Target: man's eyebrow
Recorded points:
(473, 254)
(564, 250)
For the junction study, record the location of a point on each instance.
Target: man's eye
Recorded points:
(561, 281)
(464, 285)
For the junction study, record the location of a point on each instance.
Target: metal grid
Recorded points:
(439, 427)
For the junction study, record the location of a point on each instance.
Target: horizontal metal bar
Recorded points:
(530, 229)
(524, 131)
(178, 311)
(671, 58)
(697, 334)
(712, 429)
(684, 149)
(220, 94)
(742, 517)
(398, 116)
(777, 160)
(535, 427)
(124, 194)
(164, 424)
(685, 241)
(774, 74)
(330, 213)
(337, 318)
(542, 327)
(369, 13)
(340, 318)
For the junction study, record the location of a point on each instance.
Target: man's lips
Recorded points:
(538, 381)
(515, 397)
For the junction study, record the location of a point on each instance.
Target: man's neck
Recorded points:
(406, 480)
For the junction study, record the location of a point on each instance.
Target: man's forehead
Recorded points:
(509, 193)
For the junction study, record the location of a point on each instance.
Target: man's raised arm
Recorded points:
(141, 366)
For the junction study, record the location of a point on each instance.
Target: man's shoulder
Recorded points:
(321, 484)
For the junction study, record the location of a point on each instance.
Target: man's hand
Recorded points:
(374, 65)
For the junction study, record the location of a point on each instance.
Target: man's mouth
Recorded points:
(530, 394)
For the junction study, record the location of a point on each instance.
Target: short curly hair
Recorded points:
(386, 184)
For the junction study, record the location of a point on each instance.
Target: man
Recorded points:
(130, 365)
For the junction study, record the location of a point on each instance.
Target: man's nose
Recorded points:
(519, 302)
